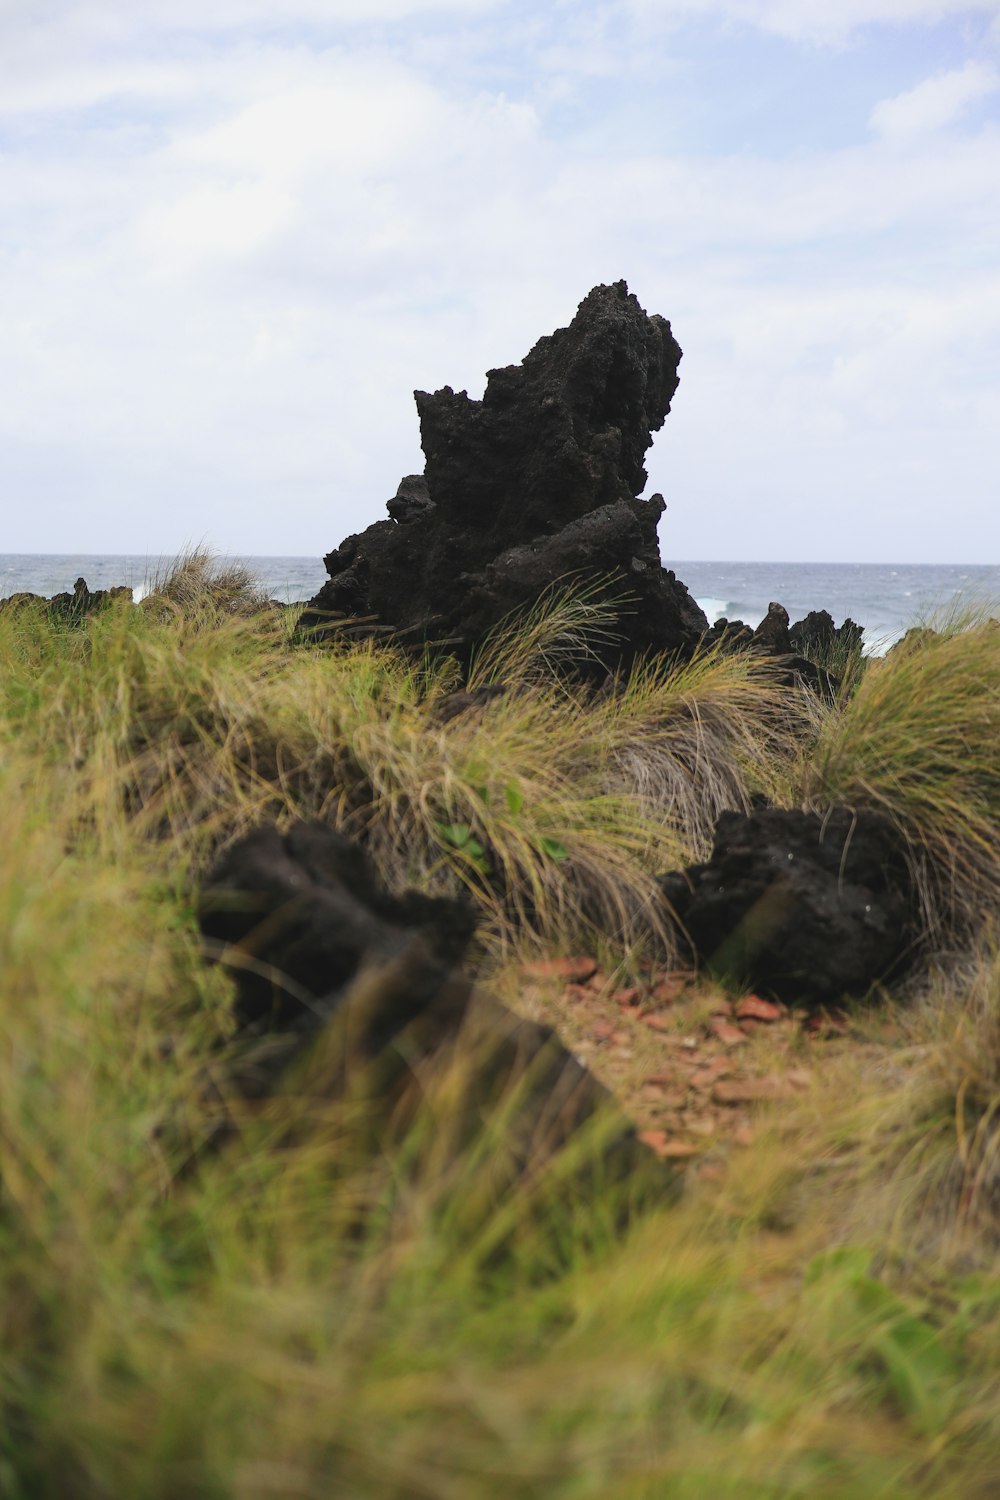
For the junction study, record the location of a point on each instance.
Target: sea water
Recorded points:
(884, 598)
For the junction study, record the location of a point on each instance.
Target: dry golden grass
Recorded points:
(369, 1317)
(552, 806)
(917, 742)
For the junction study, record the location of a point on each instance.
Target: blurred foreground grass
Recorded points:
(821, 1318)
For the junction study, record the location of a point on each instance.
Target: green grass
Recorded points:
(340, 1304)
(918, 742)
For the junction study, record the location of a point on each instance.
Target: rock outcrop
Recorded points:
(537, 483)
(817, 635)
(71, 606)
(805, 907)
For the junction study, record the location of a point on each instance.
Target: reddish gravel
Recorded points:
(691, 1065)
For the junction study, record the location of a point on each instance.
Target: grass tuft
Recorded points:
(917, 742)
(199, 581)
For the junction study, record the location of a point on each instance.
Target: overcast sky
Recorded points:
(235, 235)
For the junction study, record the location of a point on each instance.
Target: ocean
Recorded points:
(885, 598)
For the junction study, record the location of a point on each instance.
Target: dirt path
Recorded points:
(690, 1065)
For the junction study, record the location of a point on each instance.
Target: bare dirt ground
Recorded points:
(693, 1067)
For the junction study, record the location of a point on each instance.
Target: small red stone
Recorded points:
(663, 1145)
(573, 969)
(754, 1008)
(728, 1034)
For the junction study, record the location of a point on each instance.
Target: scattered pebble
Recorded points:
(706, 1077)
(698, 1086)
(754, 1008)
(574, 969)
(728, 1034)
(664, 1145)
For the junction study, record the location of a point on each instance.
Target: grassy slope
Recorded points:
(817, 1316)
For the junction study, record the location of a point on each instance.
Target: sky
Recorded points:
(235, 237)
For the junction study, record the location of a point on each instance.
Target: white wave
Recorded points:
(715, 609)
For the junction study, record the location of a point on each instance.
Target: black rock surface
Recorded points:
(71, 606)
(537, 483)
(301, 914)
(805, 907)
(319, 950)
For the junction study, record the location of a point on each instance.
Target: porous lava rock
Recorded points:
(301, 913)
(772, 634)
(318, 949)
(800, 651)
(817, 635)
(74, 606)
(805, 907)
(537, 483)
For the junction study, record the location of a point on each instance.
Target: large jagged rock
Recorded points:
(806, 907)
(336, 979)
(538, 482)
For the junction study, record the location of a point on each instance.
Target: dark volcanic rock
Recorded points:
(816, 635)
(411, 500)
(808, 908)
(794, 647)
(730, 634)
(771, 634)
(319, 951)
(301, 914)
(71, 606)
(537, 482)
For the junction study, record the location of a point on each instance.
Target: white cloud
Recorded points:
(345, 116)
(935, 102)
(212, 223)
(218, 297)
(816, 20)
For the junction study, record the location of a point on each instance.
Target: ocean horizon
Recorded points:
(886, 599)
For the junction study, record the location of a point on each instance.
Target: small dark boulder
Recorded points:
(329, 965)
(731, 635)
(411, 500)
(301, 913)
(774, 637)
(771, 634)
(806, 907)
(816, 636)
